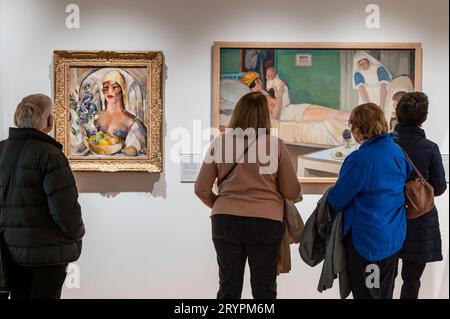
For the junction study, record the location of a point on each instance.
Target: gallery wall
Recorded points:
(2, 74)
(147, 235)
(309, 85)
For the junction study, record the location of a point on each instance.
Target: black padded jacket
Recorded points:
(40, 217)
(423, 237)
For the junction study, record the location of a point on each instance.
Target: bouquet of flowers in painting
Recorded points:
(83, 112)
(107, 111)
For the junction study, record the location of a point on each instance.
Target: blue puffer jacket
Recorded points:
(370, 192)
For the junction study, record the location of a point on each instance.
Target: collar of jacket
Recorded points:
(31, 133)
(385, 136)
(409, 129)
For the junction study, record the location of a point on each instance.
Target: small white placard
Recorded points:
(189, 167)
(303, 59)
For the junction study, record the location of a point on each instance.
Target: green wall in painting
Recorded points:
(230, 60)
(316, 84)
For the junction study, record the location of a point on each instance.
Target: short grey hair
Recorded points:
(33, 111)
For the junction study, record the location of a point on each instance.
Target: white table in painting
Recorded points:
(322, 161)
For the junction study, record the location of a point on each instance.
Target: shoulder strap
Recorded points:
(412, 144)
(419, 175)
(237, 162)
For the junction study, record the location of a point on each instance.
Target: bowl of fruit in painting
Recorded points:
(103, 143)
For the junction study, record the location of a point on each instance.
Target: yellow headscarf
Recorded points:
(117, 77)
(249, 77)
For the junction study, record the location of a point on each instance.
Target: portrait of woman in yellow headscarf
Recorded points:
(115, 120)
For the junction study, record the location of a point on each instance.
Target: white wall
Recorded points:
(3, 123)
(148, 236)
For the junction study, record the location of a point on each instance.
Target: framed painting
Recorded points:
(312, 89)
(108, 109)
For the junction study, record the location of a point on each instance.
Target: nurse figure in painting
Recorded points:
(114, 119)
(371, 78)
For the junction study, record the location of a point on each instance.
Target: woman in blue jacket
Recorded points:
(370, 192)
(423, 237)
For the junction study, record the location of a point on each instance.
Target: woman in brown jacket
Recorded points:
(254, 174)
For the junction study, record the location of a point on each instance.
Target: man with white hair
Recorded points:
(40, 219)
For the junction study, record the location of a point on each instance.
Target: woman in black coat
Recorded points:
(423, 237)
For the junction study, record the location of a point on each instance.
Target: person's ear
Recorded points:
(355, 136)
(50, 122)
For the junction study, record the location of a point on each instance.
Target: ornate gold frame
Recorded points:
(63, 60)
(316, 184)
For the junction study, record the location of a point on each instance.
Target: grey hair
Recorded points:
(33, 111)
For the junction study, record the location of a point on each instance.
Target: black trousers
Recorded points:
(369, 279)
(411, 273)
(35, 282)
(237, 239)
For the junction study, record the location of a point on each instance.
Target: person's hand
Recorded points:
(280, 90)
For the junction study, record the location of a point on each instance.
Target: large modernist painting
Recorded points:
(311, 89)
(109, 109)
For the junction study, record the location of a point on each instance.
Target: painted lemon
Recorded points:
(104, 142)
